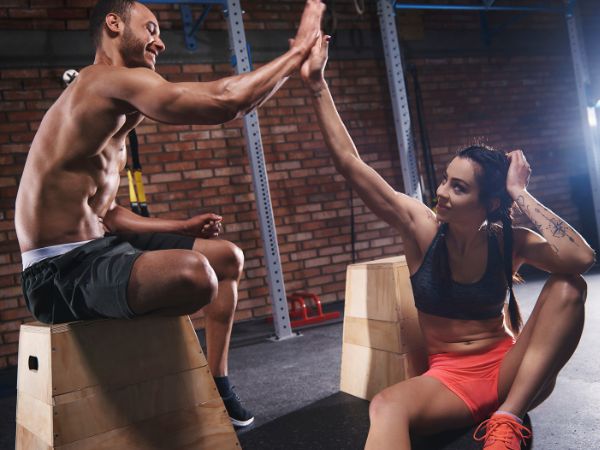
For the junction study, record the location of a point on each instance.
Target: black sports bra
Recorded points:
(481, 300)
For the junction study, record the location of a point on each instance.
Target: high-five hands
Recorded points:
(309, 29)
(313, 69)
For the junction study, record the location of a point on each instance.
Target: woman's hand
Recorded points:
(313, 68)
(518, 175)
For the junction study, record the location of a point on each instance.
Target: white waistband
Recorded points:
(31, 257)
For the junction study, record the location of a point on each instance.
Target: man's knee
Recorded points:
(198, 278)
(232, 260)
(571, 289)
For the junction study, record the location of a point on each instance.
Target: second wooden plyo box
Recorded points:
(382, 342)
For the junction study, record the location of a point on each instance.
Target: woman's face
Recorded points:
(458, 193)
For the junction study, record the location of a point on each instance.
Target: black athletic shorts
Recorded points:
(90, 281)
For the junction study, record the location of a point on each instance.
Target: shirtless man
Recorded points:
(85, 257)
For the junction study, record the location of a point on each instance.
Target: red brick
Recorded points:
(12, 314)
(25, 116)
(19, 73)
(22, 95)
(165, 177)
(10, 292)
(10, 338)
(67, 13)
(8, 349)
(180, 166)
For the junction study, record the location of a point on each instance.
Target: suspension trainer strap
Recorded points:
(137, 195)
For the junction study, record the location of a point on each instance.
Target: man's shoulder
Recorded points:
(103, 69)
(115, 80)
(94, 71)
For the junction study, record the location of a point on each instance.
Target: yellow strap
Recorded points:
(132, 194)
(139, 186)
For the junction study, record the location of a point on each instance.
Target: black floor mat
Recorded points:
(339, 422)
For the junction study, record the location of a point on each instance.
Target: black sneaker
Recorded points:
(239, 416)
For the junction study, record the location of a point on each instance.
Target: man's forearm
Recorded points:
(220, 101)
(122, 220)
(248, 90)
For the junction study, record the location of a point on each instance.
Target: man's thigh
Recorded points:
(88, 282)
(226, 258)
(170, 281)
(157, 241)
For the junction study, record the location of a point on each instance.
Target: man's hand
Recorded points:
(204, 226)
(310, 27)
(313, 69)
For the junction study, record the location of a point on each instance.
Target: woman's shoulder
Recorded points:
(520, 237)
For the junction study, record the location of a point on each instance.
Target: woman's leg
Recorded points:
(548, 340)
(421, 404)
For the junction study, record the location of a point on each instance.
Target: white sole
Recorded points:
(241, 423)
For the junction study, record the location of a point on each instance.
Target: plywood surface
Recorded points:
(367, 371)
(118, 384)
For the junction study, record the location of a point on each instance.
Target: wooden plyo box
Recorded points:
(117, 384)
(382, 341)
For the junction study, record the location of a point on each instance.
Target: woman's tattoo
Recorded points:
(521, 204)
(557, 227)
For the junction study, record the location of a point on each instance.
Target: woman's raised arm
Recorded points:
(414, 220)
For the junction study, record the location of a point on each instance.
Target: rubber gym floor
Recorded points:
(293, 389)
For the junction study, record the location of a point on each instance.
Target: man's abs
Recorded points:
(58, 206)
(42, 223)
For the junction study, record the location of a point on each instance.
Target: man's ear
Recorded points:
(113, 23)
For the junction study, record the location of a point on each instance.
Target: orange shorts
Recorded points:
(474, 378)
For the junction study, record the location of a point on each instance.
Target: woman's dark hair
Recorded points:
(119, 7)
(491, 179)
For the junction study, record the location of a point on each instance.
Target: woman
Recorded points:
(462, 265)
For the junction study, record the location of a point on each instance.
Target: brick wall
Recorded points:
(508, 101)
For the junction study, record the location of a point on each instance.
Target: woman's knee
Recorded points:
(571, 289)
(382, 407)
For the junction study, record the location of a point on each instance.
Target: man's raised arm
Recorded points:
(216, 101)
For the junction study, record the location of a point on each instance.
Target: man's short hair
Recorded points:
(104, 7)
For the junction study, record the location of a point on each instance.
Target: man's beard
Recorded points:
(133, 50)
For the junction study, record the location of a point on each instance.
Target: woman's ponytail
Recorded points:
(514, 312)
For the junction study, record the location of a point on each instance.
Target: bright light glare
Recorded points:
(592, 117)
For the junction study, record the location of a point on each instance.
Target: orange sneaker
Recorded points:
(502, 432)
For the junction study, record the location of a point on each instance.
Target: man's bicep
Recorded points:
(129, 85)
(160, 100)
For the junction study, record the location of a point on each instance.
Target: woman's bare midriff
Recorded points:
(444, 335)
